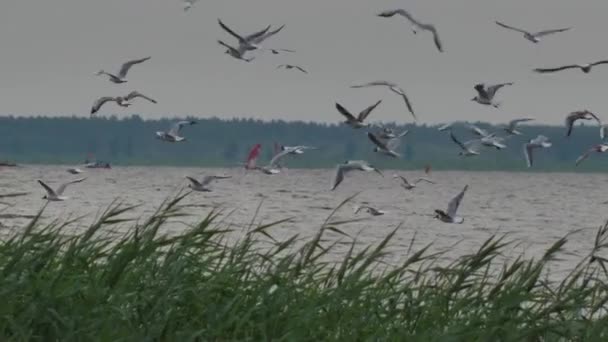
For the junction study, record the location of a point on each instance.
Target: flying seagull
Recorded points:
(534, 37)
(450, 215)
(74, 170)
(356, 122)
(57, 195)
(187, 4)
(580, 115)
(248, 42)
(291, 66)
(388, 147)
(202, 185)
(416, 24)
(477, 131)
(348, 166)
(540, 141)
(173, 134)
(370, 210)
(394, 88)
(586, 68)
(273, 166)
(601, 148)
(469, 149)
(511, 128)
(485, 94)
(103, 100)
(235, 53)
(295, 150)
(122, 73)
(410, 186)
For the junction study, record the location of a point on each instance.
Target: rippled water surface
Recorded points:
(534, 208)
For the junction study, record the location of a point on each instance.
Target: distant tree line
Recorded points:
(218, 142)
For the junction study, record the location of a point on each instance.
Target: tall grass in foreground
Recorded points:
(146, 285)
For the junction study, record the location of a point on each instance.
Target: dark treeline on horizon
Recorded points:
(225, 143)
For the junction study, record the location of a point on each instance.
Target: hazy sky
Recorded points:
(52, 48)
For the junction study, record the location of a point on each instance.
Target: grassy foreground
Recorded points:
(195, 286)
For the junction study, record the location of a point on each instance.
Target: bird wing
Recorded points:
(481, 90)
(345, 112)
(232, 33)
(408, 104)
(599, 62)
(265, 35)
(477, 130)
(232, 49)
(365, 113)
(458, 142)
(377, 141)
(63, 186)
(338, 176)
(546, 70)
(178, 126)
(135, 94)
(570, 119)
(528, 148)
(274, 161)
(424, 180)
(511, 27)
(548, 32)
(374, 83)
(301, 69)
(194, 181)
(585, 155)
(257, 37)
(494, 88)
(100, 102)
(124, 69)
(455, 202)
(403, 13)
(514, 123)
(48, 189)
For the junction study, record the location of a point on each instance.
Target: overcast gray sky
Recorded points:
(52, 48)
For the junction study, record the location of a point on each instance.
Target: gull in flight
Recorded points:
(291, 66)
(202, 185)
(477, 131)
(74, 171)
(356, 122)
(370, 210)
(540, 141)
(511, 128)
(469, 149)
(246, 43)
(601, 148)
(394, 88)
(493, 141)
(410, 186)
(103, 100)
(450, 215)
(57, 195)
(187, 4)
(122, 73)
(581, 115)
(173, 134)
(415, 23)
(274, 167)
(294, 150)
(485, 94)
(388, 147)
(534, 37)
(586, 68)
(348, 166)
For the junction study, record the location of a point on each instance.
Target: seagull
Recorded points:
(235, 53)
(394, 88)
(187, 4)
(173, 134)
(540, 141)
(586, 68)
(350, 165)
(291, 66)
(486, 93)
(74, 171)
(124, 69)
(202, 184)
(388, 147)
(273, 167)
(511, 128)
(245, 43)
(477, 131)
(601, 148)
(580, 115)
(416, 24)
(52, 195)
(534, 37)
(370, 210)
(103, 100)
(493, 141)
(258, 39)
(356, 122)
(469, 149)
(135, 94)
(450, 216)
(409, 186)
(293, 150)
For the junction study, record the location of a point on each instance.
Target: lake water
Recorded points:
(534, 208)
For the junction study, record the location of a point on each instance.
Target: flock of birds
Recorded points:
(384, 139)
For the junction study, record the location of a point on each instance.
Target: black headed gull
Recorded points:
(511, 128)
(356, 122)
(410, 186)
(291, 66)
(300, 149)
(57, 195)
(601, 148)
(586, 68)
(370, 210)
(124, 69)
(579, 115)
(173, 134)
(202, 185)
(540, 141)
(394, 88)
(386, 147)
(534, 37)
(348, 166)
(486, 93)
(416, 24)
(450, 215)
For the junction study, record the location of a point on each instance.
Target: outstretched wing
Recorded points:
(48, 189)
(494, 88)
(194, 181)
(401, 12)
(375, 83)
(514, 123)
(63, 186)
(455, 202)
(585, 155)
(528, 148)
(511, 27)
(274, 161)
(232, 33)
(548, 32)
(345, 112)
(599, 62)
(136, 94)
(124, 69)
(424, 180)
(178, 126)
(457, 142)
(301, 69)
(100, 102)
(338, 177)
(259, 36)
(365, 113)
(546, 70)
(377, 141)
